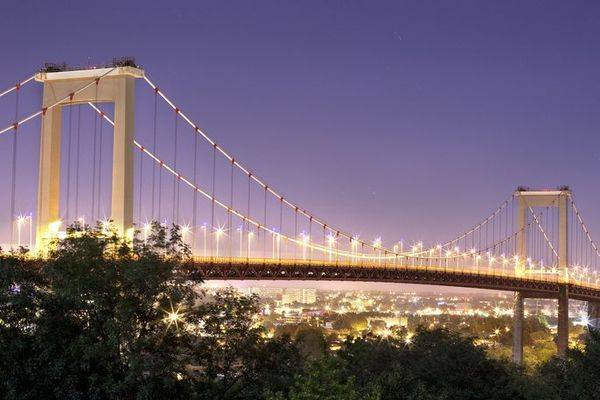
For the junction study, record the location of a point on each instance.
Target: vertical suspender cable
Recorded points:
(248, 217)
(69, 136)
(229, 215)
(296, 232)
(280, 228)
(195, 193)
(100, 164)
(175, 185)
(265, 225)
(212, 202)
(309, 239)
(14, 166)
(154, 151)
(95, 138)
(141, 178)
(78, 147)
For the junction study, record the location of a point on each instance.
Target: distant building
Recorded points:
(264, 292)
(299, 295)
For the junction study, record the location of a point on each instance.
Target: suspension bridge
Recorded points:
(164, 167)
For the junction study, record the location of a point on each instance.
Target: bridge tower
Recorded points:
(114, 85)
(559, 199)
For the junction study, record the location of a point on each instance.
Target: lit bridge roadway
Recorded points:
(531, 284)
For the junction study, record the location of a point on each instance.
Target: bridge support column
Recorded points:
(122, 173)
(593, 316)
(66, 88)
(518, 316)
(562, 339)
(49, 176)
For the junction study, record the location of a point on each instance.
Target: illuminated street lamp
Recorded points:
(147, 228)
(204, 239)
(331, 245)
(304, 242)
(241, 231)
(377, 245)
(354, 247)
(20, 222)
(279, 246)
(249, 237)
(219, 232)
(185, 230)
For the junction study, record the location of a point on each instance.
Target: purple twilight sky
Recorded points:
(409, 120)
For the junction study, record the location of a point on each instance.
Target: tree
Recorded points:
(322, 380)
(96, 325)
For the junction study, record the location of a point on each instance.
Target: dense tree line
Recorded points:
(103, 318)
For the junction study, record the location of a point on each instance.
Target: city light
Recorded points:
(173, 317)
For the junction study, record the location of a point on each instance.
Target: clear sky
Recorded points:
(409, 120)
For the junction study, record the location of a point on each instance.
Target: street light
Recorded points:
(304, 243)
(20, 221)
(250, 236)
(241, 231)
(184, 231)
(331, 245)
(219, 232)
(204, 240)
(147, 228)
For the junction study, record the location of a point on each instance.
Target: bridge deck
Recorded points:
(540, 285)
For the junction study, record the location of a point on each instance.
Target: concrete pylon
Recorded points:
(518, 315)
(114, 85)
(543, 198)
(562, 339)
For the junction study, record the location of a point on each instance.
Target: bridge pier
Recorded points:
(115, 85)
(562, 339)
(518, 316)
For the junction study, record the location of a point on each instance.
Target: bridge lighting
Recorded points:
(22, 219)
(185, 229)
(249, 238)
(204, 238)
(353, 247)
(105, 225)
(331, 245)
(219, 232)
(147, 227)
(304, 242)
(54, 227)
(241, 232)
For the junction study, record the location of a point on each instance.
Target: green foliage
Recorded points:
(311, 342)
(322, 380)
